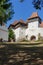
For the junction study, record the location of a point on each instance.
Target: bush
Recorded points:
(11, 35)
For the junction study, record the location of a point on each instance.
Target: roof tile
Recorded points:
(34, 14)
(15, 22)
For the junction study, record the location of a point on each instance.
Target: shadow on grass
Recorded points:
(11, 54)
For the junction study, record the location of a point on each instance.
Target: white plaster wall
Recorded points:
(41, 31)
(31, 32)
(19, 33)
(33, 24)
(34, 31)
(4, 33)
(22, 33)
(16, 32)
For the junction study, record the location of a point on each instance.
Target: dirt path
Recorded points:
(11, 54)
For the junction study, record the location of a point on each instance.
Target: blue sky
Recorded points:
(23, 10)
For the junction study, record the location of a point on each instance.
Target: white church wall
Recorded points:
(41, 31)
(22, 33)
(33, 24)
(16, 33)
(32, 32)
(19, 33)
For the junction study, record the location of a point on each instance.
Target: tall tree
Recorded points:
(5, 11)
(38, 4)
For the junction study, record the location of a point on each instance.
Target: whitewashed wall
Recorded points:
(22, 33)
(19, 33)
(16, 33)
(33, 24)
(40, 30)
(4, 33)
(31, 32)
(34, 31)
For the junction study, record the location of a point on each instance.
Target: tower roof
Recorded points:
(34, 14)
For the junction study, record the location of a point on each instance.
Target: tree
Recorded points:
(5, 11)
(38, 4)
(21, 0)
(11, 34)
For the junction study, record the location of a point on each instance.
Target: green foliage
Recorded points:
(37, 4)
(6, 11)
(11, 34)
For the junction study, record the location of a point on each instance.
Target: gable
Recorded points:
(17, 24)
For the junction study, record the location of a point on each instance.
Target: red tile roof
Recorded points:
(15, 22)
(34, 14)
(20, 21)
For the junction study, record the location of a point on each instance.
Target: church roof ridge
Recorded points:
(34, 14)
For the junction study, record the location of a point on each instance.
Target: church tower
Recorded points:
(34, 20)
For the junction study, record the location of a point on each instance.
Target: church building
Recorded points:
(29, 30)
